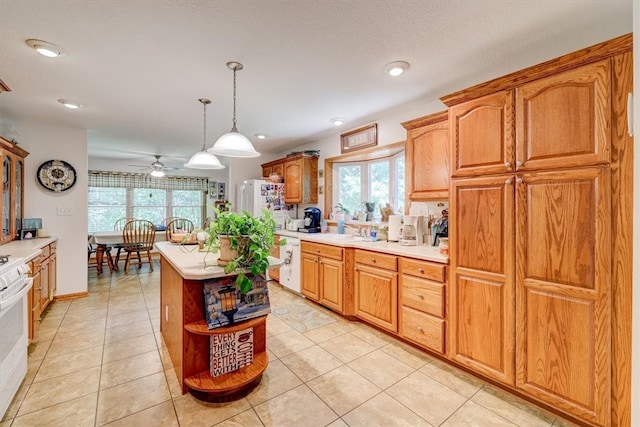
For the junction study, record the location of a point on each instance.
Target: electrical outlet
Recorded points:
(62, 211)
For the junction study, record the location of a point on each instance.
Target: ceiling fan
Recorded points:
(158, 169)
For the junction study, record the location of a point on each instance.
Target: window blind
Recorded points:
(140, 180)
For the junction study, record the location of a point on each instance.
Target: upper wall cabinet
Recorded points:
(482, 135)
(300, 173)
(12, 190)
(427, 157)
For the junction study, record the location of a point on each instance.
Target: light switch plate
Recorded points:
(62, 211)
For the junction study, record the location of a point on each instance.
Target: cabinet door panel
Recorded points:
(564, 120)
(482, 263)
(330, 278)
(482, 138)
(376, 296)
(293, 181)
(428, 152)
(563, 294)
(309, 284)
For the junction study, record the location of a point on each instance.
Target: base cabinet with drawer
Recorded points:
(423, 303)
(44, 274)
(323, 274)
(376, 288)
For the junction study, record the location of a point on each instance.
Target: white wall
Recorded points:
(635, 334)
(48, 142)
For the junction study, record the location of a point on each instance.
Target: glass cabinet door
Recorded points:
(7, 181)
(18, 195)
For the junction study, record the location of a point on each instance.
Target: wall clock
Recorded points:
(56, 175)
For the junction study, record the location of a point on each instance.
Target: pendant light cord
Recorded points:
(204, 133)
(234, 128)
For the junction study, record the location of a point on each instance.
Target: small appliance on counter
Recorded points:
(412, 231)
(312, 218)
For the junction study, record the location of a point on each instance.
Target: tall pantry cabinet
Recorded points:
(532, 201)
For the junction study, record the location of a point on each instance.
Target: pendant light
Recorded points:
(203, 159)
(233, 143)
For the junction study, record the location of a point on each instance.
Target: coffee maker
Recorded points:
(312, 218)
(412, 231)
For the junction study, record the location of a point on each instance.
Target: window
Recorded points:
(117, 195)
(378, 180)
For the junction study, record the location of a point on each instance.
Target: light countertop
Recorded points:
(195, 265)
(27, 249)
(424, 252)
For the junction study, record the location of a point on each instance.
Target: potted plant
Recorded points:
(249, 240)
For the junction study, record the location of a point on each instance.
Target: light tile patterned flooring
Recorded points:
(101, 361)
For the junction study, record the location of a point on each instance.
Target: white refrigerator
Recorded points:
(254, 195)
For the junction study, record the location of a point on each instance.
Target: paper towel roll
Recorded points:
(395, 221)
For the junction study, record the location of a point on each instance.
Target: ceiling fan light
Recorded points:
(157, 173)
(203, 160)
(233, 144)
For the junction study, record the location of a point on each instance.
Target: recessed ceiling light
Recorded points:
(396, 68)
(70, 104)
(260, 136)
(45, 48)
(337, 121)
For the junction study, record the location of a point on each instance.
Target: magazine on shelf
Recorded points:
(224, 304)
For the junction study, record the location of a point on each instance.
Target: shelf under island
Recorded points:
(196, 345)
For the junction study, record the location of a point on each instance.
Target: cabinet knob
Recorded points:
(519, 181)
(508, 182)
(420, 270)
(507, 165)
(373, 260)
(419, 328)
(519, 163)
(420, 296)
(318, 250)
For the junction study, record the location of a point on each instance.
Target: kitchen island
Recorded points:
(184, 271)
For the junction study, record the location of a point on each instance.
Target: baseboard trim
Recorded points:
(70, 296)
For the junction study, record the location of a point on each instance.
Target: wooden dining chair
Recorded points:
(138, 236)
(178, 225)
(118, 226)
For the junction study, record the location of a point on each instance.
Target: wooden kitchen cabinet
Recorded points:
(564, 120)
(53, 270)
(539, 249)
(423, 303)
(563, 276)
(12, 189)
(301, 179)
(376, 289)
(482, 135)
(277, 166)
(427, 158)
(482, 295)
(34, 298)
(323, 274)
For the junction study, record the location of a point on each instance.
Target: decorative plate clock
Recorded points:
(56, 175)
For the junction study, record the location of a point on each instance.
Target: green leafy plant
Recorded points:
(342, 209)
(251, 237)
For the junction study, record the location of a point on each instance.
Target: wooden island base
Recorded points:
(187, 337)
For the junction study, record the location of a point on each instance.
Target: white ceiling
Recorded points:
(141, 65)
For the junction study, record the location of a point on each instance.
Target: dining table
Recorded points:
(104, 239)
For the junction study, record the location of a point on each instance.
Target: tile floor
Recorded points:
(101, 361)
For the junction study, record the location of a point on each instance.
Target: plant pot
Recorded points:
(226, 253)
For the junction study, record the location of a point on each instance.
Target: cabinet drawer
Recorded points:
(322, 250)
(376, 259)
(423, 329)
(46, 251)
(424, 269)
(52, 247)
(423, 295)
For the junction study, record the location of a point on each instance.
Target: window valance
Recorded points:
(140, 180)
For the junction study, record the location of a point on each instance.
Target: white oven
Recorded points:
(14, 287)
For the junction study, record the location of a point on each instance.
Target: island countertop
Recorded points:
(195, 265)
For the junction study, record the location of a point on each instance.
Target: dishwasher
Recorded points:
(290, 271)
